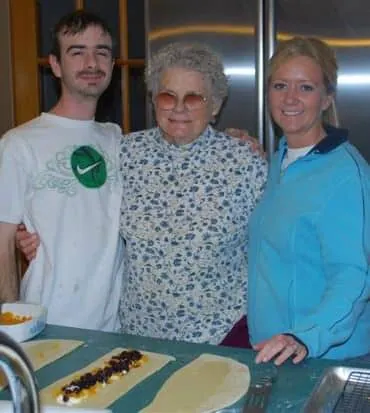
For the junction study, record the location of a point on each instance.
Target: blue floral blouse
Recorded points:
(184, 217)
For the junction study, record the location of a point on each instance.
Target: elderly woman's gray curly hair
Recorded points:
(190, 56)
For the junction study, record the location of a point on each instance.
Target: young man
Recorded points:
(58, 175)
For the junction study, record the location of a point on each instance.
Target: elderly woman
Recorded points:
(188, 194)
(309, 281)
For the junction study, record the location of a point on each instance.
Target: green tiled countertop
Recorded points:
(290, 391)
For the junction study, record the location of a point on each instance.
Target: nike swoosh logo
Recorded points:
(83, 171)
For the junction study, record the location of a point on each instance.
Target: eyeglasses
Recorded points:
(168, 101)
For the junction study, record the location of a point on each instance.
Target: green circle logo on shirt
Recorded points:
(89, 167)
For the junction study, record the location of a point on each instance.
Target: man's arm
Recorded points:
(9, 279)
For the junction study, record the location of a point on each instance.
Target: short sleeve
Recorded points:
(13, 180)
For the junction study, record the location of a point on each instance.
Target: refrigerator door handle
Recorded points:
(270, 37)
(260, 70)
(266, 38)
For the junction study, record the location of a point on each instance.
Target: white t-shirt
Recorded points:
(60, 177)
(292, 154)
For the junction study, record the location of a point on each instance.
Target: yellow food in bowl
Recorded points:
(9, 318)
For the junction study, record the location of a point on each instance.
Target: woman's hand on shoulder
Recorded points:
(243, 135)
(280, 348)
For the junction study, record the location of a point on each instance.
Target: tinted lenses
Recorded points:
(168, 101)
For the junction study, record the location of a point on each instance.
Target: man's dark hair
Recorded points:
(74, 23)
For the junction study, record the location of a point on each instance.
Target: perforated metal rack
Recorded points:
(356, 394)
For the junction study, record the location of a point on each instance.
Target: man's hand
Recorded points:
(280, 347)
(243, 135)
(27, 242)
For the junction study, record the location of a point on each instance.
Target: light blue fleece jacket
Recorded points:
(309, 251)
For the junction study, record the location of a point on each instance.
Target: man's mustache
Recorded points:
(91, 72)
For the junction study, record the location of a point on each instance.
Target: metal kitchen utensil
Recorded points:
(257, 396)
(20, 376)
(341, 389)
(356, 394)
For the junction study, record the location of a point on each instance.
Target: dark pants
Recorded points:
(238, 336)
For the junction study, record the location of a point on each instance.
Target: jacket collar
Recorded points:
(334, 137)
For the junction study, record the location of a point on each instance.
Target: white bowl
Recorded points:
(24, 331)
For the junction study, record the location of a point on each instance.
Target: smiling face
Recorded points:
(85, 65)
(181, 125)
(297, 98)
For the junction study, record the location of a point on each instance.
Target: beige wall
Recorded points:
(6, 102)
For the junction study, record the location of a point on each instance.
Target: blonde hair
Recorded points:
(322, 54)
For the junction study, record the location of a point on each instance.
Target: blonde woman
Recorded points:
(308, 289)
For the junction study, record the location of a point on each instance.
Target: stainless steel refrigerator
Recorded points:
(245, 32)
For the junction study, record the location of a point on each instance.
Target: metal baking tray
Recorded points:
(341, 390)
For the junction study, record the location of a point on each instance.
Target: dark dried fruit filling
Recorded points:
(118, 364)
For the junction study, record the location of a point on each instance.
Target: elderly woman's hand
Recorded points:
(243, 135)
(280, 347)
(26, 242)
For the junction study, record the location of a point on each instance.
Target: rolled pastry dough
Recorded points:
(205, 385)
(114, 390)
